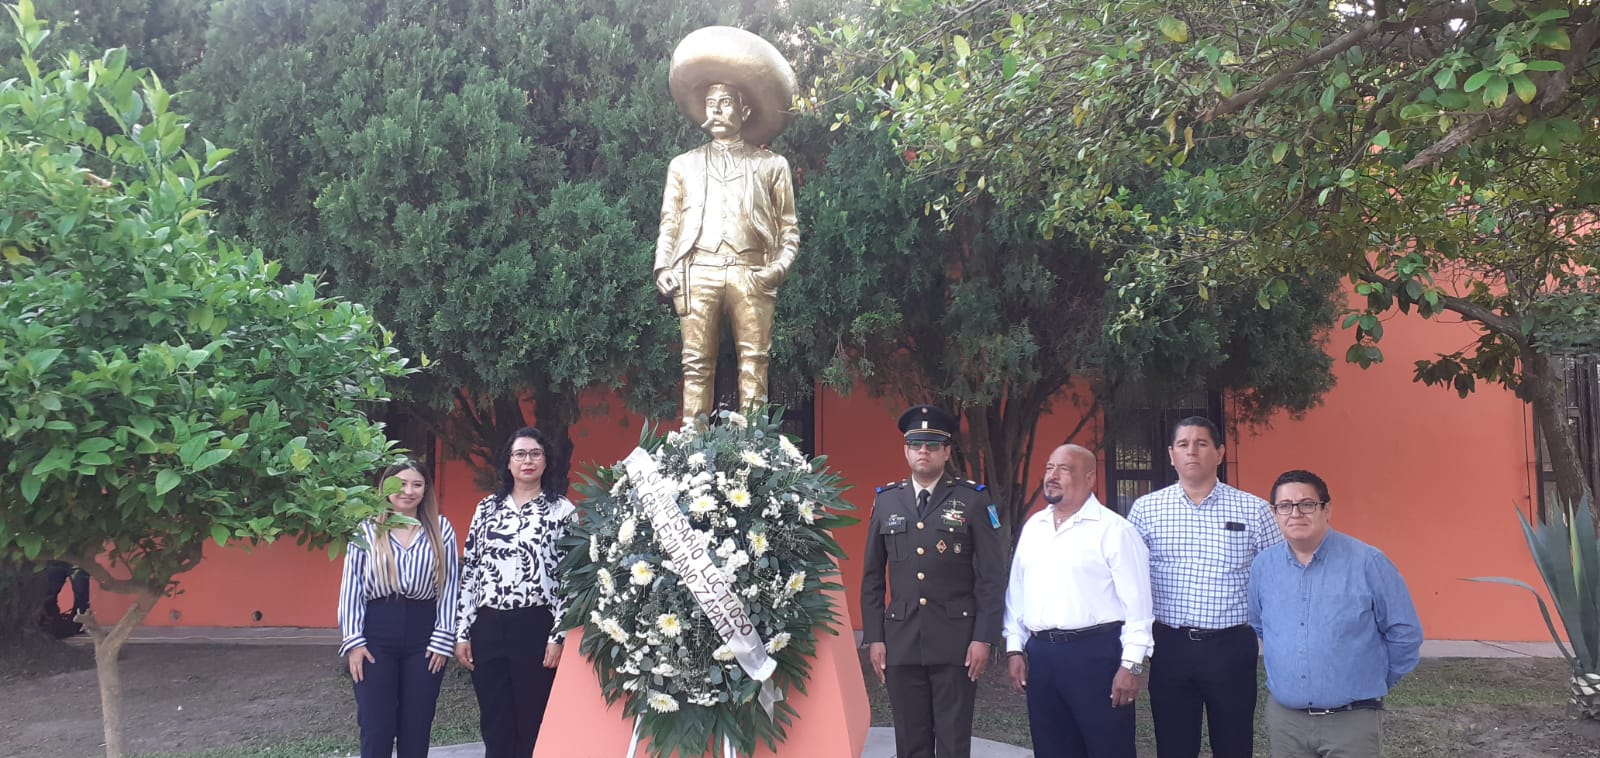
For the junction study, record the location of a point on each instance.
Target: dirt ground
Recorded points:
(240, 700)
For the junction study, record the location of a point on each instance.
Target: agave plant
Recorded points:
(1569, 561)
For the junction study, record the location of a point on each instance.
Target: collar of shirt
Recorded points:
(1085, 513)
(1326, 547)
(727, 146)
(917, 489)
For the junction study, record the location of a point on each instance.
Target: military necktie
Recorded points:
(922, 502)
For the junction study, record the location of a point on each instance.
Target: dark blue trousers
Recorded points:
(396, 696)
(510, 679)
(1209, 671)
(1069, 698)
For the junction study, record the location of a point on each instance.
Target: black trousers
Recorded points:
(1069, 698)
(396, 696)
(932, 709)
(1215, 673)
(510, 679)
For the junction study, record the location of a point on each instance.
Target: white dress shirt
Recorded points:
(1094, 569)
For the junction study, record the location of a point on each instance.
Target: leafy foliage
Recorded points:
(764, 515)
(1437, 154)
(486, 173)
(160, 389)
(158, 386)
(993, 320)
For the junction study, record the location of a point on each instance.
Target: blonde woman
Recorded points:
(397, 614)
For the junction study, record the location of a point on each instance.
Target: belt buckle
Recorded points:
(1195, 635)
(1325, 711)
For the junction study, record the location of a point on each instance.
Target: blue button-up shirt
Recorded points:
(1339, 629)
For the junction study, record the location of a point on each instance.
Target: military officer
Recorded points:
(939, 542)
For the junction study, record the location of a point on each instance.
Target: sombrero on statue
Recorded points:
(725, 55)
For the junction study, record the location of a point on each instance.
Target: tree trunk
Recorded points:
(107, 646)
(556, 412)
(1545, 389)
(22, 597)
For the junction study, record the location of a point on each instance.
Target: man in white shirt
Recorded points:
(1078, 617)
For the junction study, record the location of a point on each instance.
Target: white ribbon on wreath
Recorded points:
(656, 499)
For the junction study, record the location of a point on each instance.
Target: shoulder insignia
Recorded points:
(890, 486)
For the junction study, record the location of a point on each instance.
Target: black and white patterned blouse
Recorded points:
(511, 558)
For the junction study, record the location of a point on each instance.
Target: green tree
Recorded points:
(987, 317)
(486, 173)
(1437, 154)
(158, 386)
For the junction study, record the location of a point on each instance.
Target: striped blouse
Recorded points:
(414, 567)
(511, 559)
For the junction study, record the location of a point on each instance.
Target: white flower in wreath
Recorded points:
(614, 630)
(808, 512)
(625, 531)
(641, 574)
(738, 560)
(608, 586)
(661, 702)
(778, 642)
(620, 487)
(669, 624)
(797, 582)
(737, 420)
(758, 543)
(723, 654)
(594, 550)
(726, 549)
(664, 669)
(697, 461)
(753, 459)
(751, 592)
(740, 498)
(789, 450)
(704, 700)
(702, 505)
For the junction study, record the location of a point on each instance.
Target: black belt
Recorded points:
(1370, 704)
(1197, 634)
(1068, 635)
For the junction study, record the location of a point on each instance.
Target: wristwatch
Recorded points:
(1137, 668)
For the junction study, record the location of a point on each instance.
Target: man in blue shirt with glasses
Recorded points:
(1337, 626)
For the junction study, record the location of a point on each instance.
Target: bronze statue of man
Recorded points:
(728, 229)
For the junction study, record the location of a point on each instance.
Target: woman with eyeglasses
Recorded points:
(397, 615)
(509, 596)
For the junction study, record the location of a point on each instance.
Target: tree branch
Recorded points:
(1493, 321)
(1551, 87)
(1327, 52)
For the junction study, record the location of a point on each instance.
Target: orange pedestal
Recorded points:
(831, 717)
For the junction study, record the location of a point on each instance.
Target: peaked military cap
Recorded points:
(926, 423)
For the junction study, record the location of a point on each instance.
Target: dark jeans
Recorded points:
(396, 696)
(510, 679)
(932, 710)
(1215, 674)
(1069, 698)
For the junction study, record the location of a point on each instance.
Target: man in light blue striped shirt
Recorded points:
(1337, 626)
(1202, 536)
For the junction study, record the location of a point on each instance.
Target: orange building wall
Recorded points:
(1427, 477)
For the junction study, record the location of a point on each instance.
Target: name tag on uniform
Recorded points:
(895, 520)
(1233, 526)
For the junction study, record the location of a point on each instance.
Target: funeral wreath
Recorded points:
(698, 570)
